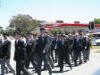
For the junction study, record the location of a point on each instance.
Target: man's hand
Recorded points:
(44, 51)
(5, 56)
(85, 47)
(22, 61)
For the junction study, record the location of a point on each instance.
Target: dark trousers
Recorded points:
(77, 54)
(43, 58)
(50, 61)
(20, 67)
(66, 59)
(87, 54)
(30, 59)
(56, 55)
(84, 54)
(52, 54)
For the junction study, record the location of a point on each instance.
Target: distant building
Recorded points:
(59, 24)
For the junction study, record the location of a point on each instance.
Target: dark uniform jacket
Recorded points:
(43, 43)
(78, 45)
(84, 42)
(88, 45)
(19, 50)
(54, 42)
(29, 47)
(63, 48)
(0, 49)
(6, 47)
(71, 43)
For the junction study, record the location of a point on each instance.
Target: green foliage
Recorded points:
(80, 31)
(0, 28)
(97, 20)
(10, 32)
(23, 23)
(73, 32)
(66, 32)
(54, 31)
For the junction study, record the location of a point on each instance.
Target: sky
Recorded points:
(50, 10)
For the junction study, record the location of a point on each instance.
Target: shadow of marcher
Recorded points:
(97, 72)
(60, 72)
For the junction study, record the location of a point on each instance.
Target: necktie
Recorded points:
(16, 42)
(62, 42)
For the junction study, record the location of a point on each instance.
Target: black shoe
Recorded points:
(61, 70)
(7, 72)
(71, 67)
(50, 73)
(75, 64)
(57, 65)
(44, 69)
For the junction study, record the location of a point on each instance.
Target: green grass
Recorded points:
(96, 47)
(97, 51)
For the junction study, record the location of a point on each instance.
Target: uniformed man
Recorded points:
(54, 48)
(6, 51)
(71, 43)
(29, 48)
(0, 49)
(87, 49)
(77, 49)
(41, 50)
(83, 46)
(20, 55)
(49, 51)
(63, 47)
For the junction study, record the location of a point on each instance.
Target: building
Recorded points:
(59, 24)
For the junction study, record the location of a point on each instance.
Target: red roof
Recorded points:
(85, 25)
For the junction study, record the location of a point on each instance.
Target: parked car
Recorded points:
(96, 42)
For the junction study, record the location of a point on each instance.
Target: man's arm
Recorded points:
(48, 42)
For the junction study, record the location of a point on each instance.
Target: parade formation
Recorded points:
(44, 50)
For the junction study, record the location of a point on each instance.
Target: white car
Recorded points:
(96, 41)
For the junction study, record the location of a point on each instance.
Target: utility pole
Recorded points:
(91, 26)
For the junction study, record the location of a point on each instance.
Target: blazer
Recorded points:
(19, 50)
(43, 43)
(63, 49)
(6, 48)
(29, 47)
(0, 49)
(78, 45)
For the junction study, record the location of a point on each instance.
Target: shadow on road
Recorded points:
(97, 72)
(59, 71)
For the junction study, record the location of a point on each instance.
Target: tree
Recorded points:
(80, 31)
(55, 31)
(1, 30)
(23, 23)
(97, 20)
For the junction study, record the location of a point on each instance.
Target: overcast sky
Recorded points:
(50, 10)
